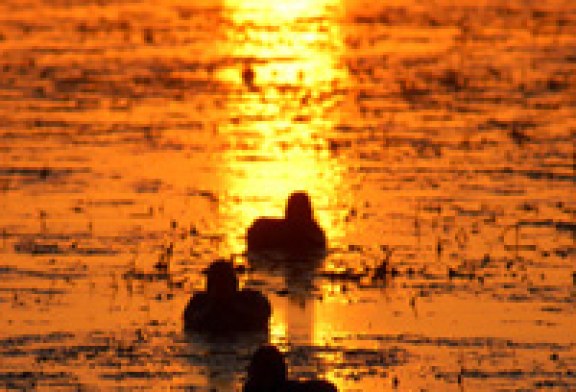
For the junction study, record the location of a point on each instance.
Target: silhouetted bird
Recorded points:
(248, 76)
(223, 309)
(267, 372)
(296, 232)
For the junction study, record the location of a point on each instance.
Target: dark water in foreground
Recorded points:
(439, 134)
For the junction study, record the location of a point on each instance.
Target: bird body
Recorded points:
(296, 232)
(223, 309)
(246, 311)
(294, 386)
(267, 372)
(275, 233)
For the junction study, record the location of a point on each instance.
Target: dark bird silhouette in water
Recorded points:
(248, 76)
(223, 309)
(267, 372)
(297, 232)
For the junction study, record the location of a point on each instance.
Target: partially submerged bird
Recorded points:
(297, 232)
(248, 76)
(267, 372)
(223, 309)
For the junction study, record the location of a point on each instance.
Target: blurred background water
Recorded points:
(438, 135)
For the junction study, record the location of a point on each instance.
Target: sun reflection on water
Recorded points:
(294, 50)
(282, 120)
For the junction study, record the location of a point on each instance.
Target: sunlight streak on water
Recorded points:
(278, 118)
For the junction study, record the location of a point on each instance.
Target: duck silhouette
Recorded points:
(267, 372)
(297, 232)
(248, 76)
(223, 309)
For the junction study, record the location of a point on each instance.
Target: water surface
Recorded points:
(437, 135)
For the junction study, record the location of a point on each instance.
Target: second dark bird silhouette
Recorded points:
(223, 309)
(267, 372)
(248, 76)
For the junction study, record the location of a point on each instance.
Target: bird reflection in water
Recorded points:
(222, 359)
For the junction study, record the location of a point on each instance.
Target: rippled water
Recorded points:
(439, 135)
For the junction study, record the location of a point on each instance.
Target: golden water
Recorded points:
(442, 132)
